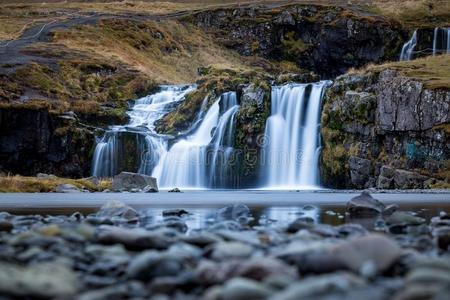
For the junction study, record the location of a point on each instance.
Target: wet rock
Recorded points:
(442, 237)
(368, 255)
(390, 209)
(6, 226)
(227, 250)
(236, 212)
(46, 280)
(136, 239)
(174, 212)
(428, 279)
(260, 268)
(151, 264)
(351, 230)
(114, 208)
(126, 181)
(127, 290)
(149, 189)
(176, 223)
(404, 218)
(299, 224)
(320, 287)
(226, 225)
(364, 206)
(245, 236)
(174, 190)
(244, 289)
(67, 188)
(201, 239)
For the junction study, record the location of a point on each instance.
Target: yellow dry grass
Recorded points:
(433, 71)
(24, 184)
(16, 16)
(168, 51)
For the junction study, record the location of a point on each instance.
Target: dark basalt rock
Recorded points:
(35, 140)
(326, 40)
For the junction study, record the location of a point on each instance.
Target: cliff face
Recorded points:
(33, 141)
(327, 40)
(385, 130)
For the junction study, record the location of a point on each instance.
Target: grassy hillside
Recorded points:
(16, 16)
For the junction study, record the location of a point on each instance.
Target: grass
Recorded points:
(17, 16)
(24, 184)
(416, 13)
(168, 52)
(433, 71)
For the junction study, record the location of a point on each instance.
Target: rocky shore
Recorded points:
(379, 252)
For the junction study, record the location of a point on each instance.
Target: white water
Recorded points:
(187, 164)
(292, 137)
(408, 48)
(143, 115)
(441, 41)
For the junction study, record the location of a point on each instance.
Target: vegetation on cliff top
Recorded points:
(433, 71)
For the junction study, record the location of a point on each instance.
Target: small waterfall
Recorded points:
(408, 48)
(441, 41)
(114, 152)
(193, 162)
(222, 163)
(292, 145)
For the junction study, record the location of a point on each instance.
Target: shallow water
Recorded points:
(268, 207)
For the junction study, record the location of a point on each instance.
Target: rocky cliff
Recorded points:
(325, 39)
(35, 140)
(386, 130)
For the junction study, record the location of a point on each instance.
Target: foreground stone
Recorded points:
(123, 253)
(127, 181)
(47, 280)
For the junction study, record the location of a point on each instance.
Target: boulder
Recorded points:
(360, 170)
(408, 180)
(67, 188)
(44, 280)
(119, 209)
(364, 206)
(126, 181)
(368, 255)
(243, 289)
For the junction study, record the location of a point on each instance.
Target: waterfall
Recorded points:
(441, 41)
(114, 152)
(408, 48)
(192, 162)
(292, 140)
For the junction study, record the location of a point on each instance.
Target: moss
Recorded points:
(292, 46)
(185, 113)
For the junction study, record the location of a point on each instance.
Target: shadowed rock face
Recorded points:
(384, 130)
(326, 40)
(36, 140)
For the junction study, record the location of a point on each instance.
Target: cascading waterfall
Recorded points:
(408, 48)
(441, 41)
(292, 136)
(113, 152)
(192, 162)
